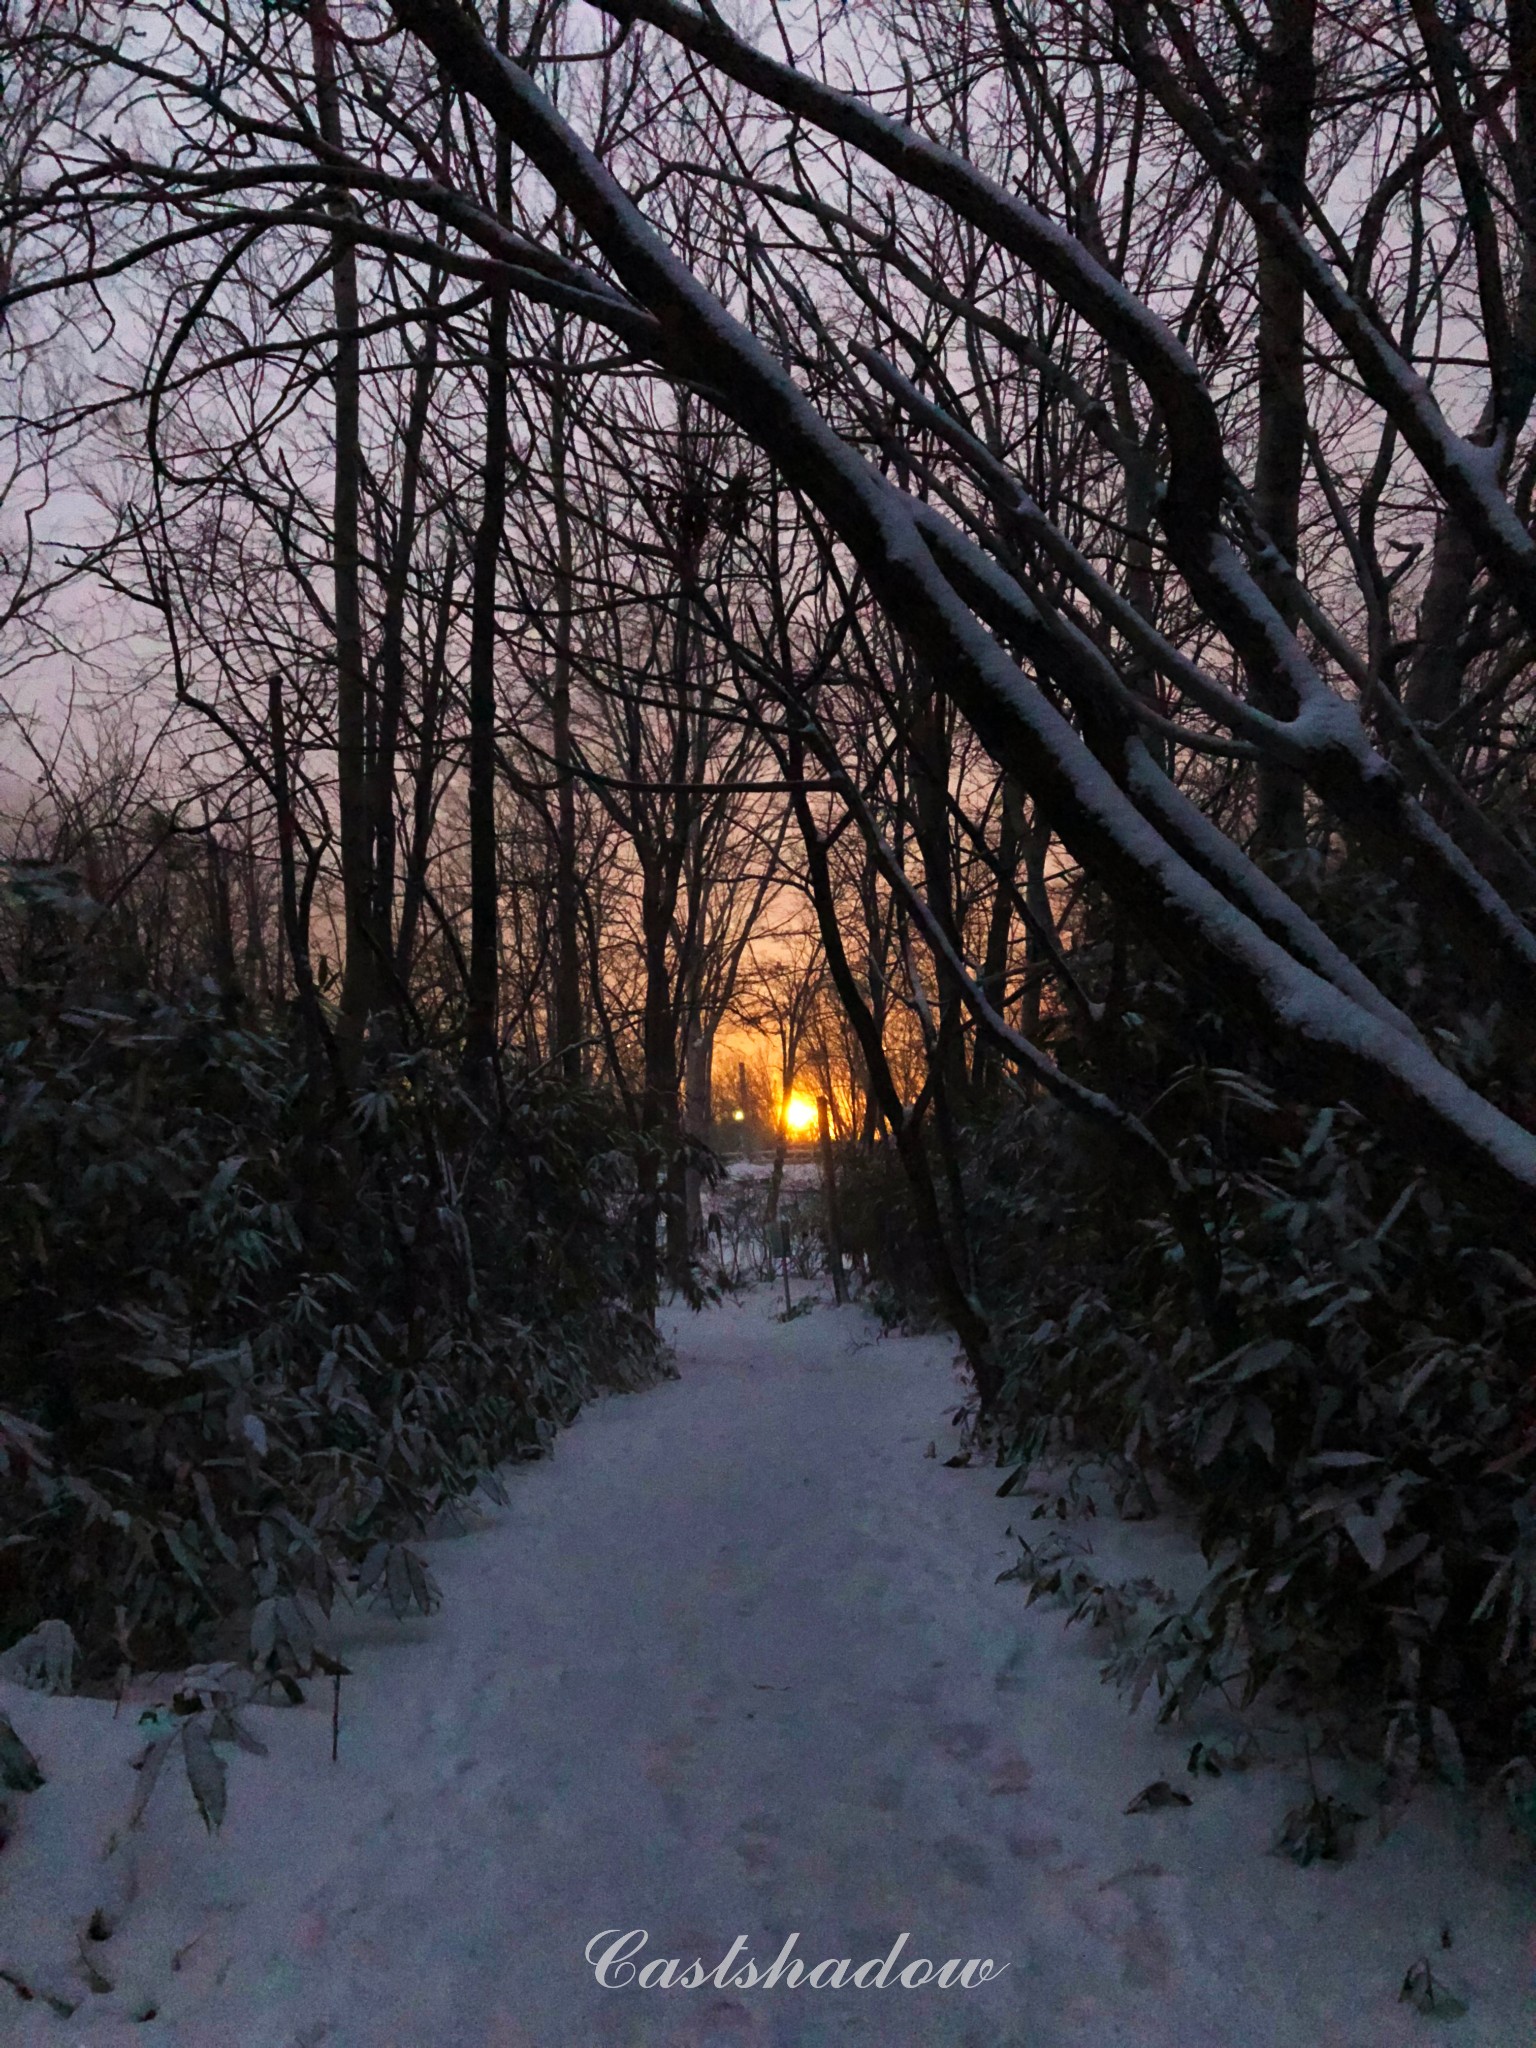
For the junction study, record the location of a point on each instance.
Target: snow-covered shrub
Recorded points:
(247, 1344)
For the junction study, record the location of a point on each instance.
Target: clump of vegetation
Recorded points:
(250, 1341)
(881, 1231)
(1356, 1440)
(1347, 1411)
(741, 1242)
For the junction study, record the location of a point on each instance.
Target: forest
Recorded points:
(581, 579)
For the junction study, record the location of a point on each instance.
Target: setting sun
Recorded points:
(799, 1116)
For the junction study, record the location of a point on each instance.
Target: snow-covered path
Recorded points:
(733, 1663)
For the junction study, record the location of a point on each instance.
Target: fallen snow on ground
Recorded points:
(733, 1662)
(798, 1171)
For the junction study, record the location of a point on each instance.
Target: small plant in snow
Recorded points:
(192, 1724)
(1428, 1995)
(19, 1768)
(1320, 1830)
(1060, 1570)
(43, 1661)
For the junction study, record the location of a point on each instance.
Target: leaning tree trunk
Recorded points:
(1288, 74)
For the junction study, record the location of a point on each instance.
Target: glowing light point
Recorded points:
(799, 1115)
(738, 1116)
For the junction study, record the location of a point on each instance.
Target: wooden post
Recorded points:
(829, 1188)
(778, 1248)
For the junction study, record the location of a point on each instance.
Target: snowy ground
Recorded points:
(733, 1663)
(801, 1169)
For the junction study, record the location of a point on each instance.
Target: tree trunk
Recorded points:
(429, 748)
(295, 923)
(698, 1115)
(480, 1022)
(360, 968)
(994, 965)
(568, 1028)
(1036, 840)
(829, 1195)
(392, 645)
(658, 1099)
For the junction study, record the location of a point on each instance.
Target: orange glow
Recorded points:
(799, 1116)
